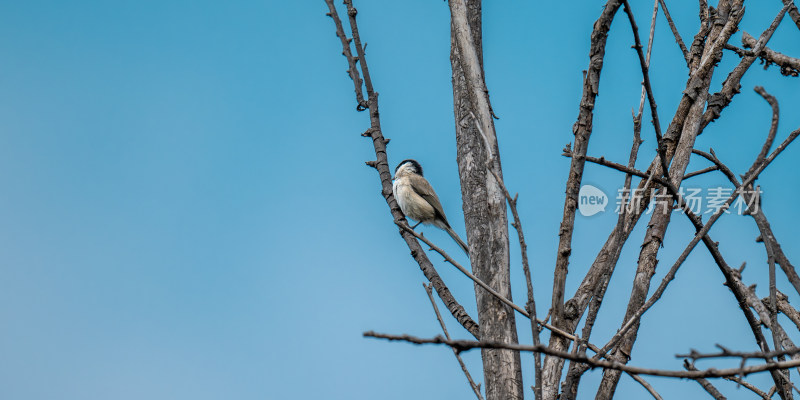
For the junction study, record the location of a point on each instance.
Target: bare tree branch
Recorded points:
(779, 337)
(704, 383)
(787, 310)
(731, 86)
(724, 352)
(793, 12)
(742, 294)
(381, 164)
(773, 128)
(464, 270)
(675, 33)
(700, 172)
(700, 235)
(475, 387)
(710, 156)
(647, 386)
(464, 345)
(576, 370)
(551, 371)
(750, 195)
(749, 386)
(790, 66)
(582, 130)
(351, 13)
(783, 344)
(643, 63)
(352, 71)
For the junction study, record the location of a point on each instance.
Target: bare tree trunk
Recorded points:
(483, 201)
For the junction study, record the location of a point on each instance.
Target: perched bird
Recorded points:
(418, 200)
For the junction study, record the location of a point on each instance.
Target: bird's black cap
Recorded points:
(414, 163)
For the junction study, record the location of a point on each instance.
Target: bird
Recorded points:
(418, 201)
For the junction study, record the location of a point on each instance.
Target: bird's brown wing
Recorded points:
(425, 190)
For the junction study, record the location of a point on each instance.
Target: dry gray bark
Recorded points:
(484, 202)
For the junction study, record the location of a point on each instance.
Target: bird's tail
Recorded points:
(458, 240)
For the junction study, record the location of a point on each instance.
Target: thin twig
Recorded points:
(773, 127)
(748, 385)
(768, 244)
(475, 387)
(347, 53)
(648, 88)
(700, 172)
(771, 391)
(351, 13)
(647, 386)
(482, 284)
(675, 33)
(711, 156)
(405, 227)
(750, 195)
(714, 392)
(745, 355)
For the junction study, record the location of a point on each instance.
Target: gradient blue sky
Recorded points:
(185, 212)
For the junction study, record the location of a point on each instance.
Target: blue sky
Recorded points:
(185, 210)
